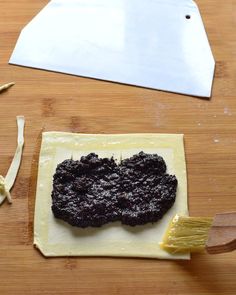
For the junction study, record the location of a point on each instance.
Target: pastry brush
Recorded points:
(195, 234)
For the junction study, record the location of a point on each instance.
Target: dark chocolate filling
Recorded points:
(95, 191)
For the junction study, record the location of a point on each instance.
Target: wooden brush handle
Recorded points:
(222, 234)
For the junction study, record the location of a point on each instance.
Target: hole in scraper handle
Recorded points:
(187, 16)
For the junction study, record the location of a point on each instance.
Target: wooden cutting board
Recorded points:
(62, 102)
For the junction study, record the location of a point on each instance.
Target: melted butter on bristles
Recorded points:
(186, 234)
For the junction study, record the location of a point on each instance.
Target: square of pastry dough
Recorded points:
(55, 237)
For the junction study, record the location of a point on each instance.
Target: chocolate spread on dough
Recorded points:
(95, 191)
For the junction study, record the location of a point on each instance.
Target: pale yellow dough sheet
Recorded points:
(56, 238)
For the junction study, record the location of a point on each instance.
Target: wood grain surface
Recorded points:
(61, 102)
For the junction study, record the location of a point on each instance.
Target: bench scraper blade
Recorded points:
(155, 44)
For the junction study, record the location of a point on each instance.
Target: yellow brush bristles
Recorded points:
(186, 234)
